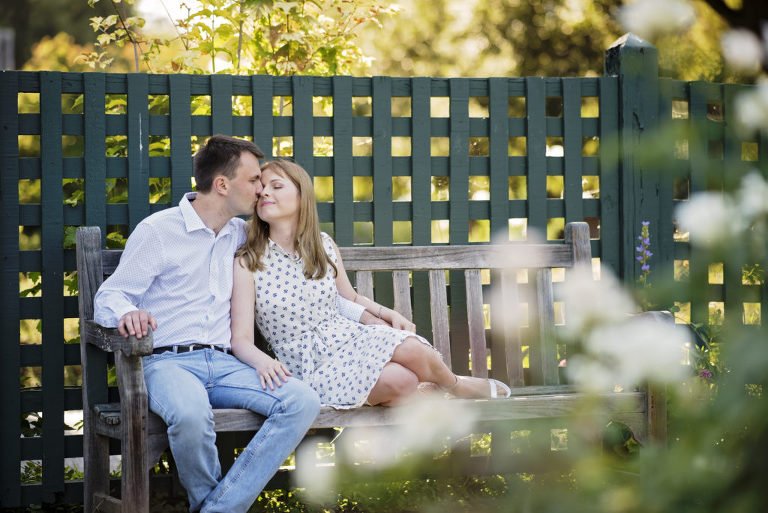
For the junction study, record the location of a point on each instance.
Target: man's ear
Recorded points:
(221, 185)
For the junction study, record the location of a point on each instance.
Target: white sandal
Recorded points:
(495, 385)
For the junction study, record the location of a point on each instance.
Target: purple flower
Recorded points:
(639, 249)
(639, 258)
(646, 241)
(639, 237)
(648, 253)
(646, 267)
(705, 374)
(646, 223)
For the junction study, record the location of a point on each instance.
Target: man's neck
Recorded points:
(213, 214)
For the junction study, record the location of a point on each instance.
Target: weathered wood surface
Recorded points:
(424, 258)
(110, 340)
(538, 397)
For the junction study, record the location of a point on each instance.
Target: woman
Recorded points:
(292, 273)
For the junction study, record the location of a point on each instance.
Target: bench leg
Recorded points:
(95, 466)
(134, 413)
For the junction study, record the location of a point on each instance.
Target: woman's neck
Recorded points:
(284, 235)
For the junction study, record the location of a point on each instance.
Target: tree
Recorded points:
(34, 19)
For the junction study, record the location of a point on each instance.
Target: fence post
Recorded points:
(636, 63)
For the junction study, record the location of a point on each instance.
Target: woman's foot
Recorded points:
(478, 388)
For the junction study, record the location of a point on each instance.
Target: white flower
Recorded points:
(752, 107)
(421, 426)
(752, 197)
(319, 482)
(742, 49)
(590, 303)
(709, 218)
(639, 349)
(648, 18)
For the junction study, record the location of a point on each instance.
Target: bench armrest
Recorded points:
(108, 339)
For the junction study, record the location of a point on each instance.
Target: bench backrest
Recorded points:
(506, 343)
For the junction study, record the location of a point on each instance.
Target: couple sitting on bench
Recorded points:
(199, 276)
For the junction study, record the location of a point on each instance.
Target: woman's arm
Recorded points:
(243, 301)
(347, 291)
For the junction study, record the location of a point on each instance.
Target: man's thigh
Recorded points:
(238, 385)
(176, 384)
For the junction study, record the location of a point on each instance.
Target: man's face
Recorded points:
(245, 186)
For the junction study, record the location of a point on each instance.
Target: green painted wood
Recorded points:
(10, 407)
(536, 148)
(138, 148)
(261, 119)
(52, 284)
(572, 150)
(698, 160)
(731, 172)
(221, 104)
(663, 240)
(381, 114)
(302, 123)
(458, 231)
(95, 152)
(421, 197)
(343, 208)
(180, 109)
(421, 164)
(636, 64)
(610, 240)
(498, 157)
(382, 161)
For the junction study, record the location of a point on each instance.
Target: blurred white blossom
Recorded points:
(752, 197)
(742, 49)
(590, 303)
(709, 217)
(421, 426)
(752, 107)
(648, 18)
(318, 482)
(627, 353)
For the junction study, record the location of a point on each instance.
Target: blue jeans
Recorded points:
(183, 388)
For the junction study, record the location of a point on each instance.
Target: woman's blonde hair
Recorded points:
(308, 241)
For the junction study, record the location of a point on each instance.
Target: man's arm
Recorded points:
(115, 304)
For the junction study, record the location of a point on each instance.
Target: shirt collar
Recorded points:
(192, 221)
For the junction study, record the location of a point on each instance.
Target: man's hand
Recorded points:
(135, 323)
(369, 318)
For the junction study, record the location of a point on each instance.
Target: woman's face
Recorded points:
(280, 199)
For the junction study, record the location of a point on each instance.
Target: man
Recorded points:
(175, 275)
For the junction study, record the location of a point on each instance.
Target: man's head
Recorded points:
(221, 156)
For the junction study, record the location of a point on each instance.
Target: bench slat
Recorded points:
(476, 322)
(438, 304)
(507, 312)
(543, 346)
(402, 290)
(424, 258)
(364, 283)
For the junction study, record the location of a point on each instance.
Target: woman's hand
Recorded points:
(271, 372)
(397, 320)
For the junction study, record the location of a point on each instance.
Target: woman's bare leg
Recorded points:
(395, 385)
(427, 365)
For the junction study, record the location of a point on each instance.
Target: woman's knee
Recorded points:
(398, 381)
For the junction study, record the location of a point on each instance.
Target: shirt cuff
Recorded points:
(350, 309)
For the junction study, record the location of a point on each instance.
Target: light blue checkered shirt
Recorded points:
(180, 271)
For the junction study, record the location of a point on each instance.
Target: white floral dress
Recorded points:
(339, 358)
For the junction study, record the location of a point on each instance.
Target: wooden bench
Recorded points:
(537, 389)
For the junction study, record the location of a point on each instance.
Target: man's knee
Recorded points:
(302, 401)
